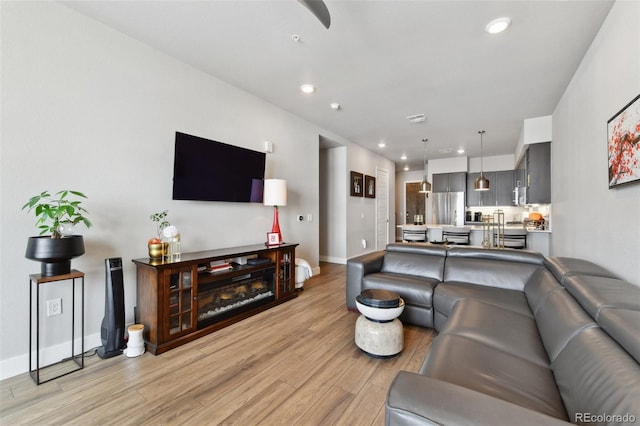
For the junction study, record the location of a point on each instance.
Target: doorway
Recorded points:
(414, 204)
(382, 209)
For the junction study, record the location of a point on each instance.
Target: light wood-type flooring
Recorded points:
(295, 364)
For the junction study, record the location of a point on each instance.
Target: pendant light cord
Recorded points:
(481, 154)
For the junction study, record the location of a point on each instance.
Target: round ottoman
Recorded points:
(379, 332)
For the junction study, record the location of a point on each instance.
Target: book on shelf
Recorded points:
(218, 266)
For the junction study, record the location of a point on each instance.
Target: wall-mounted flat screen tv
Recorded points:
(207, 170)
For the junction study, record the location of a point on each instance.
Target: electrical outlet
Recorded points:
(54, 307)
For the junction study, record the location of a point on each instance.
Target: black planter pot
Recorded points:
(54, 253)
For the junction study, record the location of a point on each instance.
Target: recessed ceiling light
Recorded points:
(382, 145)
(460, 150)
(404, 157)
(498, 25)
(406, 168)
(335, 106)
(308, 88)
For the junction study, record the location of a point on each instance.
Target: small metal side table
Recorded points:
(38, 280)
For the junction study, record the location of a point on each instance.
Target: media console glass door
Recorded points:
(180, 301)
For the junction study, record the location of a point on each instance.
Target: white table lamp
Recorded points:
(275, 194)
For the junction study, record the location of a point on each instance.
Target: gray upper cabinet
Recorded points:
(449, 182)
(539, 173)
(500, 193)
(505, 184)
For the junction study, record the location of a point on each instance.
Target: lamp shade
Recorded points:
(425, 187)
(481, 183)
(275, 192)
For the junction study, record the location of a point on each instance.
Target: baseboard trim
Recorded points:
(17, 365)
(333, 259)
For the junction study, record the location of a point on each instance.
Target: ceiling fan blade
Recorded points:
(319, 9)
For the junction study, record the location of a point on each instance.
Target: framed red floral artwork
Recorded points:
(623, 145)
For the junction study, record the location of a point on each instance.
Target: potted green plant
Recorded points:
(56, 214)
(158, 249)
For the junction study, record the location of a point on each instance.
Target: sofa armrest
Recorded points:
(357, 268)
(414, 399)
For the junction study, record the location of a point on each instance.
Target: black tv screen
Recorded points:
(207, 170)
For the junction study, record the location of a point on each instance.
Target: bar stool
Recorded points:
(513, 238)
(412, 233)
(456, 235)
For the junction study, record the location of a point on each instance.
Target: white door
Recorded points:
(382, 209)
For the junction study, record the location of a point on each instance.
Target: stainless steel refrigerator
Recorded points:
(448, 208)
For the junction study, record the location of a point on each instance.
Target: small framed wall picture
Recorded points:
(369, 186)
(357, 184)
(273, 239)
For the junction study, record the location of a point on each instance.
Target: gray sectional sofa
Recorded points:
(522, 339)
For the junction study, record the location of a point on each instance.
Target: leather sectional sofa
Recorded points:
(522, 339)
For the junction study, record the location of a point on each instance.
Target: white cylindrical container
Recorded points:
(135, 345)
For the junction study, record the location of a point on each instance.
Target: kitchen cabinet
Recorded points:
(539, 173)
(505, 183)
(500, 191)
(533, 175)
(449, 182)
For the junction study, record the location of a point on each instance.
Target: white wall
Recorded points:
(333, 204)
(590, 220)
(85, 107)
(361, 211)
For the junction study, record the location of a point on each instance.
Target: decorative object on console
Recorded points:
(481, 183)
(357, 183)
(370, 185)
(273, 239)
(57, 214)
(623, 144)
(275, 194)
(425, 185)
(173, 241)
(158, 249)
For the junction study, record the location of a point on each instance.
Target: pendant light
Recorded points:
(481, 183)
(425, 186)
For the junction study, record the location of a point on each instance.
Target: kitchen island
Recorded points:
(537, 239)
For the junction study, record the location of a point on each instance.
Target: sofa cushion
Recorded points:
(559, 320)
(448, 293)
(541, 284)
(477, 366)
(596, 376)
(622, 325)
(414, 260)
(417, 293)
(563, 267)
(505, 268)
(499, 328)
(414, 399)
(595, 293)
(414, 290)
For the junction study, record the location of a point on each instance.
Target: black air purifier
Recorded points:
(112, 330)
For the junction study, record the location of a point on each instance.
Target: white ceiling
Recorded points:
(382, 61)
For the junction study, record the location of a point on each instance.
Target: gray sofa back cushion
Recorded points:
(563, 267)
(541, 284)
(622, 325)
(595, 293)
(560, 318)
(506, 268)
(414, 259)
(595, 376)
